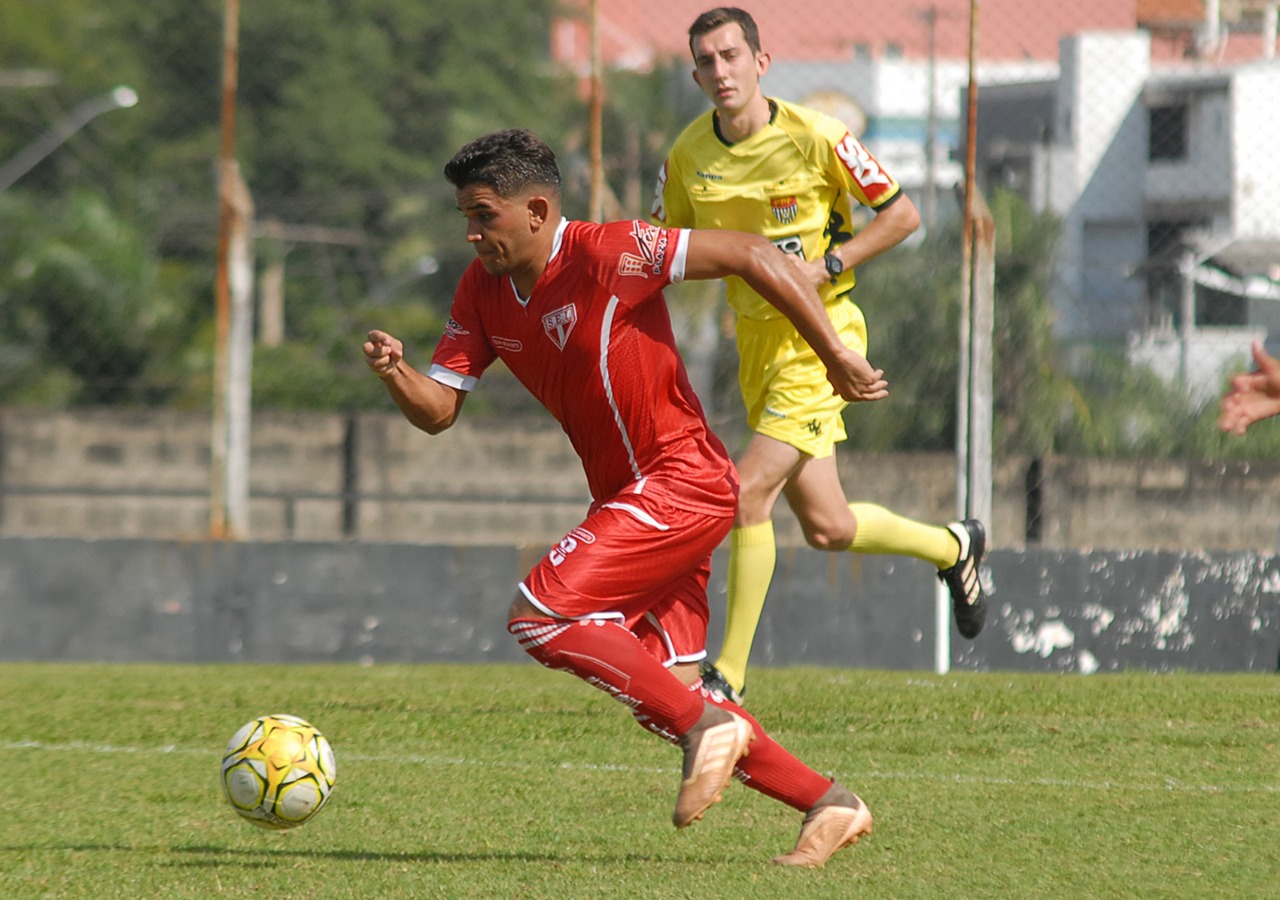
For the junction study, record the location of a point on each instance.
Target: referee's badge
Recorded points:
(785, 209)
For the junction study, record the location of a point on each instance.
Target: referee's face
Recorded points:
(728, 71)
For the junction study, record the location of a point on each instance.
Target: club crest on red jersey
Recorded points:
(652, 244)
(558, 324)
(453, 331)
(785, 209)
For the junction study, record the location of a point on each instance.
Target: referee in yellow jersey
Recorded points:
(792, 174)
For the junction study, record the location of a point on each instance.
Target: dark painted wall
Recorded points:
(63, 599)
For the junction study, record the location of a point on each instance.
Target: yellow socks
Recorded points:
(752, 554)
(881, 531)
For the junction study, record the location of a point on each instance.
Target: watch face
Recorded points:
(834, 265)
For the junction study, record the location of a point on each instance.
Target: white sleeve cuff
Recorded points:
(452, 379)
(681, 255)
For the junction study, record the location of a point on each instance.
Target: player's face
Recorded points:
(497, 228)
(728, 71)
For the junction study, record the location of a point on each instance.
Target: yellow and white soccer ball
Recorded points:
(278, 771)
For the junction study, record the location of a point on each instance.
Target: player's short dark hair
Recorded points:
(508, 161)
(723, 15)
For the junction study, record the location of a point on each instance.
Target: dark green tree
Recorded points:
(346, 112)
(911, 298)
(84, 318)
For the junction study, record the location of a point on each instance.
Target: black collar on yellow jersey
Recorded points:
(715, 122)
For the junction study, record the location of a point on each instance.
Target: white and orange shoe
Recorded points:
(710, 753)
(837, 820)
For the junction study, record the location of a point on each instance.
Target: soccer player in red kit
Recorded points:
(575, 310)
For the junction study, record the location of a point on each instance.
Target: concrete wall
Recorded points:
(119, 474)
(1051, 611)
(372, 477)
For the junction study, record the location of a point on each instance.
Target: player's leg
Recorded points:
(763, 469)
(791, 418)
(675, 626)
(603, 653)
(831, 522)
(576, 610)
(835, 817)
(956, 549)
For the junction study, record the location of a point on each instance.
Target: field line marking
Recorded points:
(1169, 784)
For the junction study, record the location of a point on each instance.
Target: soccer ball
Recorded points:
(278, 771)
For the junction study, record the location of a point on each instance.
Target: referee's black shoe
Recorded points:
(962, 579)
(716, 683)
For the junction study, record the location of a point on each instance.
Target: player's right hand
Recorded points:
(855, 380)
(383, 353)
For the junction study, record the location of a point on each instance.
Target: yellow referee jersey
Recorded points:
(794, 182)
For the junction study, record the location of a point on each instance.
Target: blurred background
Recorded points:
(1126, 149)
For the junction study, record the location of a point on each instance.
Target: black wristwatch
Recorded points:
(834, 266)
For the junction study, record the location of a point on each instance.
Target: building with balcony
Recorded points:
(1164, 181)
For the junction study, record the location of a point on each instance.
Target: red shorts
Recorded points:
(639, 561)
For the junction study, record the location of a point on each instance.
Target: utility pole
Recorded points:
(595, 138)
(229, 445)
(974, 379)
(931, 124)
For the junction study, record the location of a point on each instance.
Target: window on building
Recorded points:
(1167, 129)
(861, 50)
(892, 50)
(1166, 244)
(1220, 308)
(1164, 282)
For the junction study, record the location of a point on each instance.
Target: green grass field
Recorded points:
(513, 781)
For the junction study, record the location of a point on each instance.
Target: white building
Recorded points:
(1166, 184)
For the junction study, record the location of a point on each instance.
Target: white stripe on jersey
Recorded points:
(606, 326)
(639, 514)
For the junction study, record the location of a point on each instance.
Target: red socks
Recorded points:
(608, 656)
(604, 654)
(770, 768)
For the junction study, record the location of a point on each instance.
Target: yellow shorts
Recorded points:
(784, 384)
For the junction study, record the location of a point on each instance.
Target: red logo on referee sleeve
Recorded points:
(862, 166)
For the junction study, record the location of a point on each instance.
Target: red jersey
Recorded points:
(593, 342)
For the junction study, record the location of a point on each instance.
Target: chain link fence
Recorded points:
(1126, 148)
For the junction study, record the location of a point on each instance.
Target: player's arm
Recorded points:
(852, 169)
(718, 254)
(425, 402)
(892, 224)
(1253, 396)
